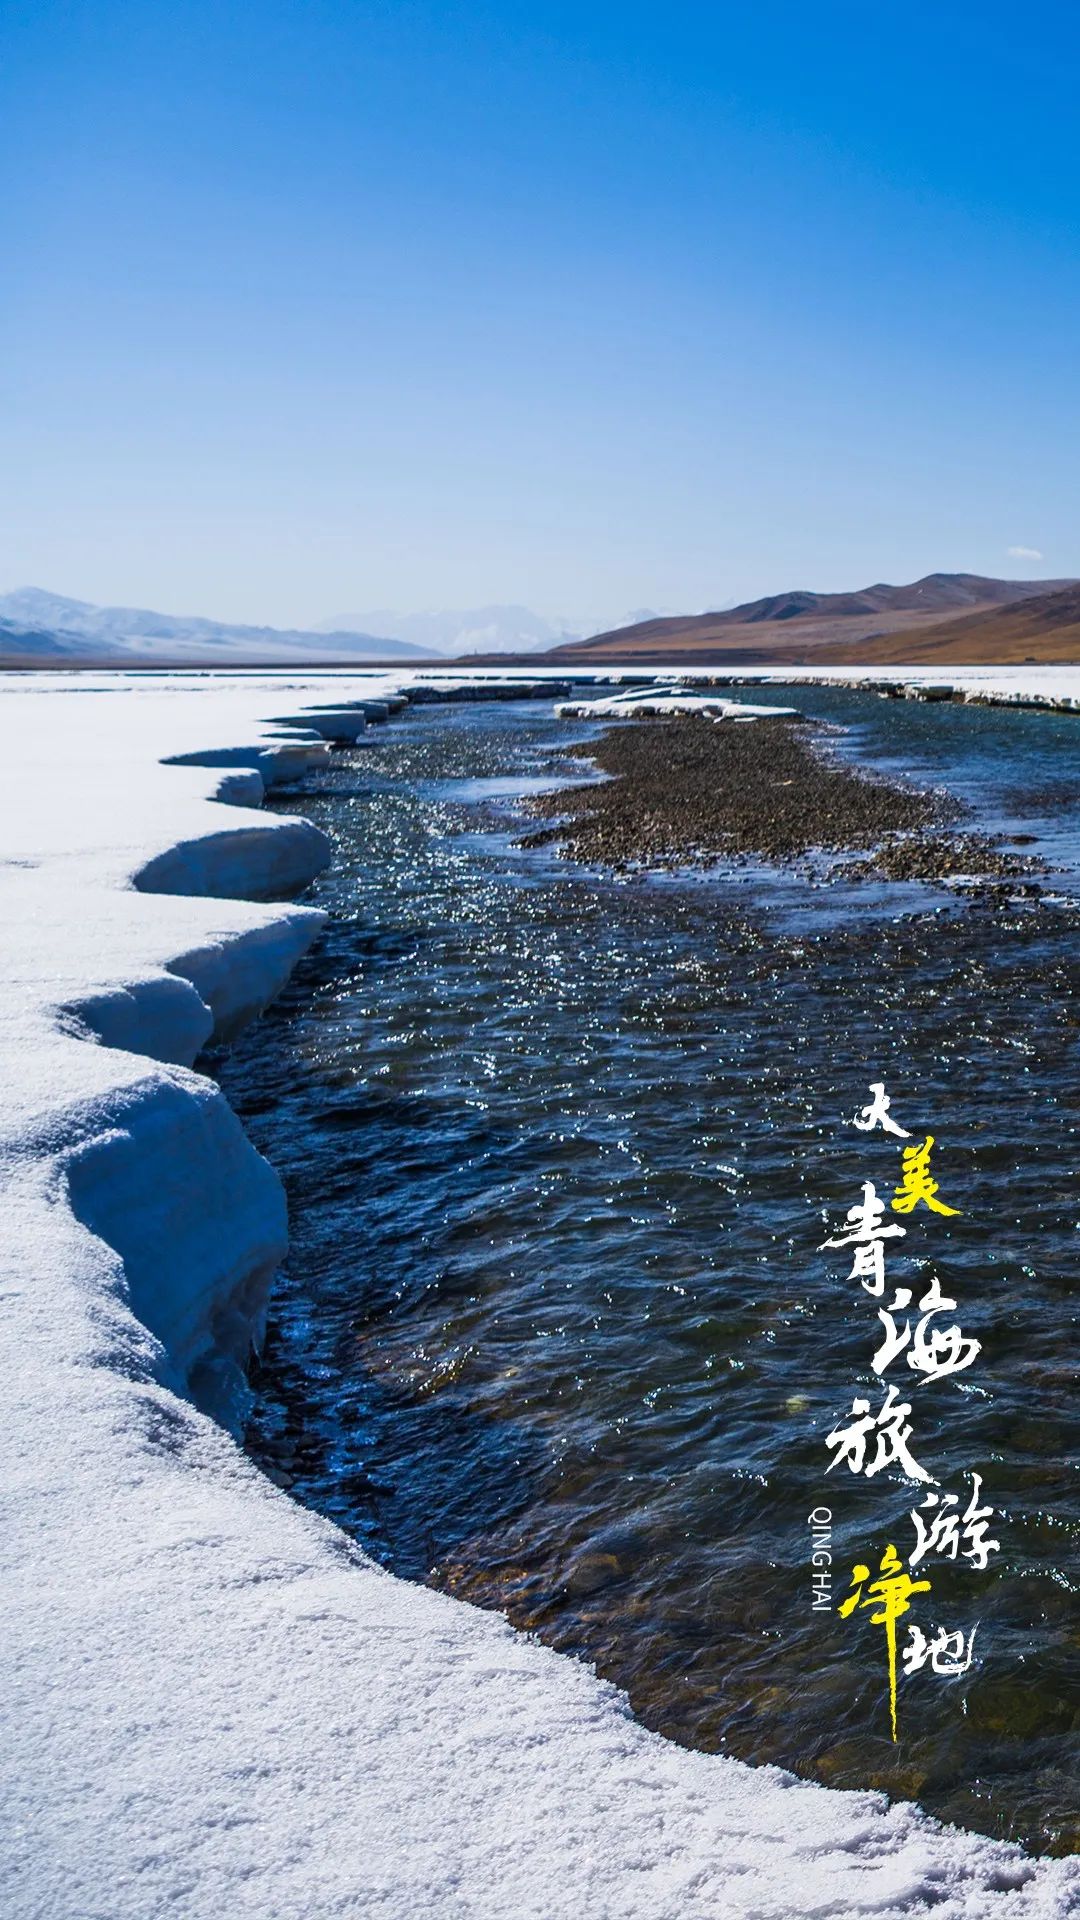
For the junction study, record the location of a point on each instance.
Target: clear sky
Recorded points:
(310, 307)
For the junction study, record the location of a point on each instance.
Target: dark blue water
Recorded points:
(556, 1333)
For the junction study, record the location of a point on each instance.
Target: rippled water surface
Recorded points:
(557, 1332)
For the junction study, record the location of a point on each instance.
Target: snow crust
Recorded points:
(641, 703)
(1032, 685)
(215, 1704)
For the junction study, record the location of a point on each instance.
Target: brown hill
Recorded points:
(935, 593)
(1043, 628)
(800, 628)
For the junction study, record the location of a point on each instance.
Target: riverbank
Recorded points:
(217, 1702)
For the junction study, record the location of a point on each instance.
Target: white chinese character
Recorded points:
(947, 1528)
(892, 1431)
(867, 1236)
(945, 1652)
(936, 1352)
(877, 1114)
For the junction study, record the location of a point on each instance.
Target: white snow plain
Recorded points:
(215, 1704)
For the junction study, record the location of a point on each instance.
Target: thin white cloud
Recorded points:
(1023, 553)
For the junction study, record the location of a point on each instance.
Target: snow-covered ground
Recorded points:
(215, 1704)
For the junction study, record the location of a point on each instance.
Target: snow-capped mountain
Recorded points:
(34, 623)
(493, 629)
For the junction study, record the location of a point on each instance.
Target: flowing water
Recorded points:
(557, 1332)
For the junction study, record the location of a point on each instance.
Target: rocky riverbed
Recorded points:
(688, 792)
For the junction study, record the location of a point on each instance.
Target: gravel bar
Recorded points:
(691, 792)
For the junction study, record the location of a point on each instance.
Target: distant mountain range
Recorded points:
(46, 628)
(945, 616)
(35, 625)
(958, 617)
(491, 629)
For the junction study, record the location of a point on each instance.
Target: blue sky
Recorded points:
(314, 307)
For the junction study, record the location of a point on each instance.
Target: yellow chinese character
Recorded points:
(917, 1183)
(891, 1594)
